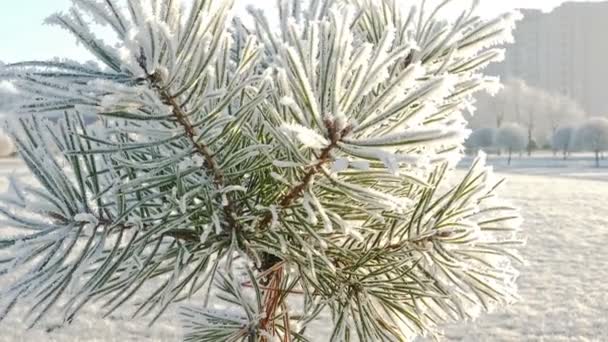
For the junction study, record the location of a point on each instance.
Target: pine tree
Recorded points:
(276, 172)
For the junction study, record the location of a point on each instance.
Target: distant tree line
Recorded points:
(521, 118)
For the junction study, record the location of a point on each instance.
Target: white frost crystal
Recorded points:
(305, 136)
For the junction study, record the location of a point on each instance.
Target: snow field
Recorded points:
(564, 286)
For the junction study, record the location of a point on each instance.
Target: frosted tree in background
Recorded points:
(481, 138)
(592, 136)
(493, 110)
(561, 111)
(563, 140)
(261, 179)
(512, 137)
(538, 110)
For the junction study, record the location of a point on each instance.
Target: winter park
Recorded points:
(303, 171)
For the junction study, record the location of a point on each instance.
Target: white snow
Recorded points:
(305, 135)
(7, 146)
(579, 165)
(563, 287)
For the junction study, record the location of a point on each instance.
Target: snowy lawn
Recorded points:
(564, 286)
(579, 165)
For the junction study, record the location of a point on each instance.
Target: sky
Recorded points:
(24, 36)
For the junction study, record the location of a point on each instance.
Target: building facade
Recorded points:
(564, 51)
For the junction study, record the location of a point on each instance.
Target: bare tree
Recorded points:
(593, 136)
(562, 139)
(561, 111)
(481, 138)
(537, 110)
(511, 137)
(495, 110)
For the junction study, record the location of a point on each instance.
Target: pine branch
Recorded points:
(202, 149)
(270, 263)
(198, 185)
(336, 135)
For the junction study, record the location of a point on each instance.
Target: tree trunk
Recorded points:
(529, 141)
(597, 158)
(509, 160)
(530, 131)
(555, 149)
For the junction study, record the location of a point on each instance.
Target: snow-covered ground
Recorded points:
(580, 165)
(564, 286)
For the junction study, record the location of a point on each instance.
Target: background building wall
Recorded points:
(564, 51)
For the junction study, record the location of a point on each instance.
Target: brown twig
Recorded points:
(272, 301)
(202, 149)
(336, 135)
(274, 277)
(296, 191)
